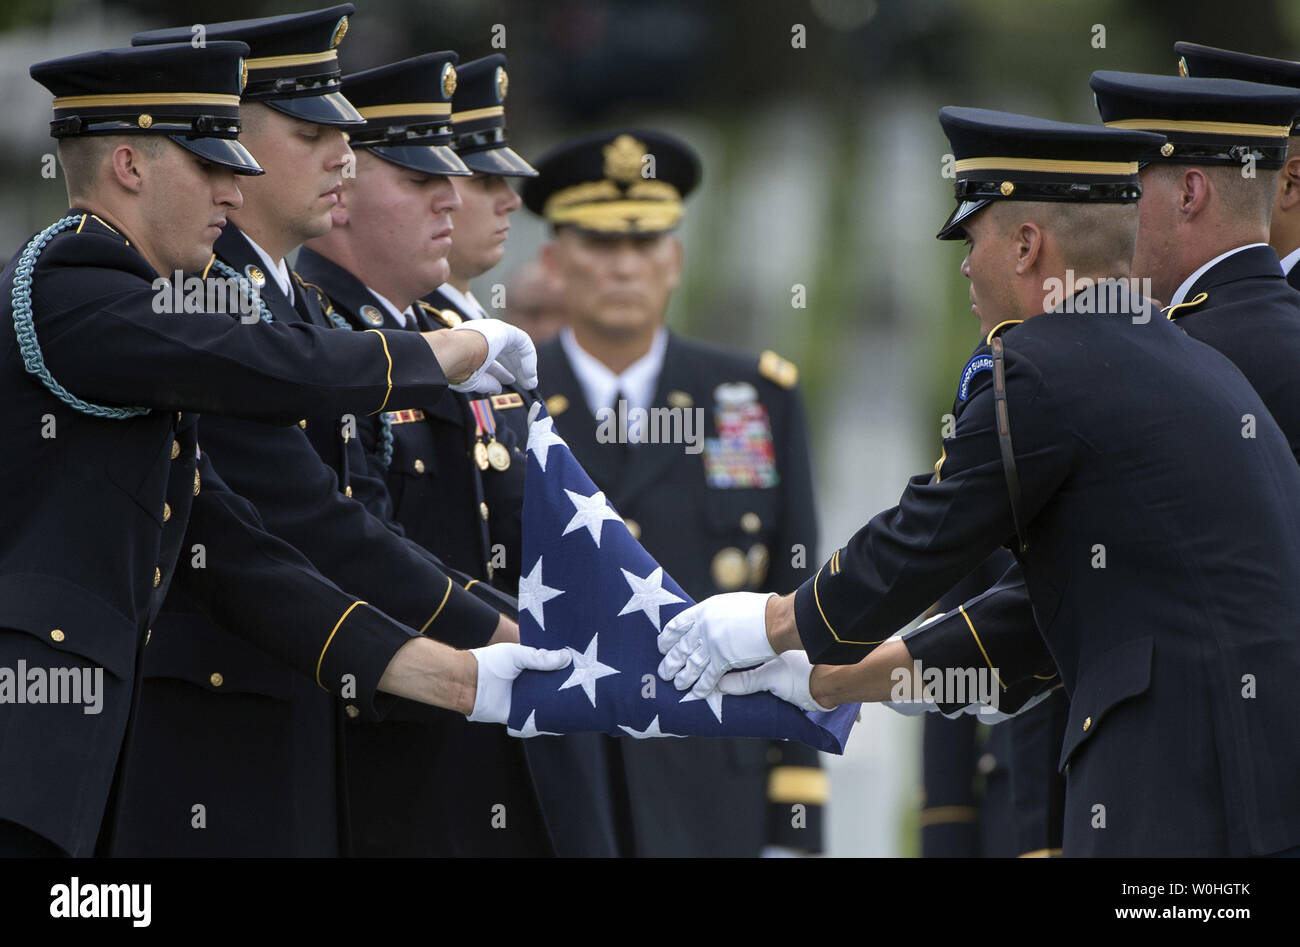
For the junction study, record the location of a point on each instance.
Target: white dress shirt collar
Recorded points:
(465, 302)
(1290, 260)
(1181, 295)
(400, 315)
(277, 271)
(601, 386)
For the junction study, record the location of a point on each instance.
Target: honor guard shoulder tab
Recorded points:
(777, 370)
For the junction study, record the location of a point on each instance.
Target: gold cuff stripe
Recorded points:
(337, 625)
(616, 215)
(962, 609)
(1050, 165)
(1041, 853)
(1206, 128)
(469, 583)
(145, 98)
(413, 109)
(806, 784)
(818, 600)
(294, 59)
(438, 611)
(470, 115)
(941, 815)
(388, 355)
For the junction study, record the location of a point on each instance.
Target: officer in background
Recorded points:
(147, 142)
(727, 513)
(1208, 62)
(444, 471)
(229, 727)
(1160, 594)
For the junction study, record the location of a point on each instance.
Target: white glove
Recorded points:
(787, 676)
(498, 666)
(511, 357)
(707, 640)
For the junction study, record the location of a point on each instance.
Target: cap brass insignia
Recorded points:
(503, 83)
(1182, 67)
(243, 74)
(448, 80)
(372, 315)
(145, 120)
(1167, 149)
(1007, 188)
(255, 276)
(623, 158)
(340, 31)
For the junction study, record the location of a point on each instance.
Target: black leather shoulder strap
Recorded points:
(1002, 417)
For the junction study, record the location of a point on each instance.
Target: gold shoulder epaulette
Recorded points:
(1000, 328)
(1176, 310)
(777, 370)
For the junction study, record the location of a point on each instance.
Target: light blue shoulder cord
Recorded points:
(385, 444)
(25, 329)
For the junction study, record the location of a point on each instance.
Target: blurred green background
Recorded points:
(822, 170)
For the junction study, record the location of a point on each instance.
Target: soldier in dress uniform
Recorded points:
(1165, 598)
(258, 746)
(445, 465)
(1208, 62)
(103, 387)
(483, 221)
(1202, 245)
(733, 511)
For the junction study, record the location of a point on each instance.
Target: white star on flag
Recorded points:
(714, 699)
(591, 512)
(647, 595)
(541, 436)
(529, 729)
(587, 670)
(533, 594)
(652, 730)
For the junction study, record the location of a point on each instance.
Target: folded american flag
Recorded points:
(588, 586)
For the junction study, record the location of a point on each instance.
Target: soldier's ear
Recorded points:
(125, 166)
(1288, 185)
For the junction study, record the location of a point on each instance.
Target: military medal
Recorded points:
(493, 453)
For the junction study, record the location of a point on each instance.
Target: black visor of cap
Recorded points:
(429, 159)
(503, 161)
(328, 109)
(223, 151)
(953, 228)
